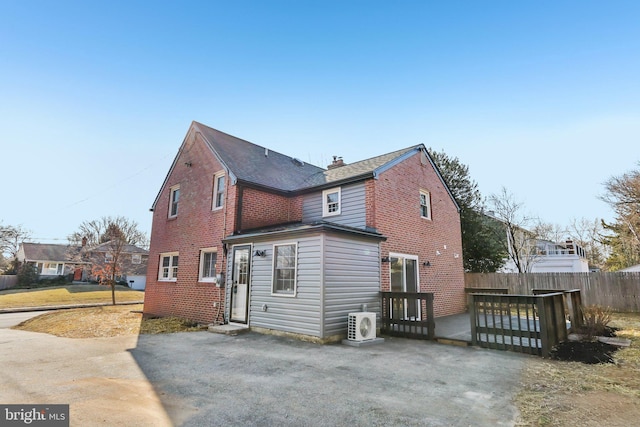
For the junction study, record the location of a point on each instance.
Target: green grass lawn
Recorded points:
(63, 295)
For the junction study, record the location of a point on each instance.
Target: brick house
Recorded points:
(242, 234)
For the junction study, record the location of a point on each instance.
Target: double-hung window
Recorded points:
(208, 259)
(168, 267)
(331, 202)
(218, 190)
(173, 201)
(136, 258)
(284, 269)
(425, 204)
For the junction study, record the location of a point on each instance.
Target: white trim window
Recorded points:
(52, 268)
(331, 202)
(108, 257)
(285, 267)
(425, 204)
(208, 260)
(168, 267)
(174, 198)
(136, 258)
(219, 180)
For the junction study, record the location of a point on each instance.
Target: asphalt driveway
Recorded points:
(205, 379)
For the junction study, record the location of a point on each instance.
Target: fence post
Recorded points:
(431, 323)
(472, 314)
(541, 307)
(577, 319)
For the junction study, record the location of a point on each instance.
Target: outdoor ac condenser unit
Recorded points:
(362, 326)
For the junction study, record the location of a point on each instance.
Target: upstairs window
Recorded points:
(173, 201)
(136, 259)
(218, 190)
(108, 257)
(331, 202)
(425, 204)
(284, 269)
(168, 267)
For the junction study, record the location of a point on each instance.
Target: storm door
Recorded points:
(404, 278)
(240, 288)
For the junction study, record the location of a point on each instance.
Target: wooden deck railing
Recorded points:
(408, 314)
(530, 324)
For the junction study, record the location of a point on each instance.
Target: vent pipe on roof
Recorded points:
(266, 152)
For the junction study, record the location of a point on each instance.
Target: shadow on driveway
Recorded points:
(205, 379)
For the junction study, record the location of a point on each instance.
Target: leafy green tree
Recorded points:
(482, 251)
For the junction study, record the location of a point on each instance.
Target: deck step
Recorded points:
(453, 341)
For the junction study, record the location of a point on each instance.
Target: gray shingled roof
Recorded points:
(51, 252)
(362, 168)
(129, 249)
(248, 162)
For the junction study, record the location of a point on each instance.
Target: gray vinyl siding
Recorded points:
(299, 314)
(351, 278)
(352, 211)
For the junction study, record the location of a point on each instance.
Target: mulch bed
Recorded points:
(589, 352)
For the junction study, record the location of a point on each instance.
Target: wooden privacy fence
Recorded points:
(530, 324)
(8, 281)
(408, 315)
(618, 290)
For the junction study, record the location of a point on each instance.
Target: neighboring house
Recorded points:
(51, 260)
(550, 257)
(632, 269)
(133, 262)
(76, 262)
(242, 234)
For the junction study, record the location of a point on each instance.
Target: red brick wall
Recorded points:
(196, 226)
(261, 209)
(395, 200)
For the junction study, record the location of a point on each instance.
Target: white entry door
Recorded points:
(240, 287)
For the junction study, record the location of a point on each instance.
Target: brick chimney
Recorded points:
(337, 162)
(84, 242)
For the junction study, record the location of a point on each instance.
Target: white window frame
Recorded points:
(427, 196)
(172, 270)
(201, 277)
(173, 202)
(217, 191)
(325, 204)
(52, 271)
(136, 258)
(292, 293)
(108, 257)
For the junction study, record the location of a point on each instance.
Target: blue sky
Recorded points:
(542, 98)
